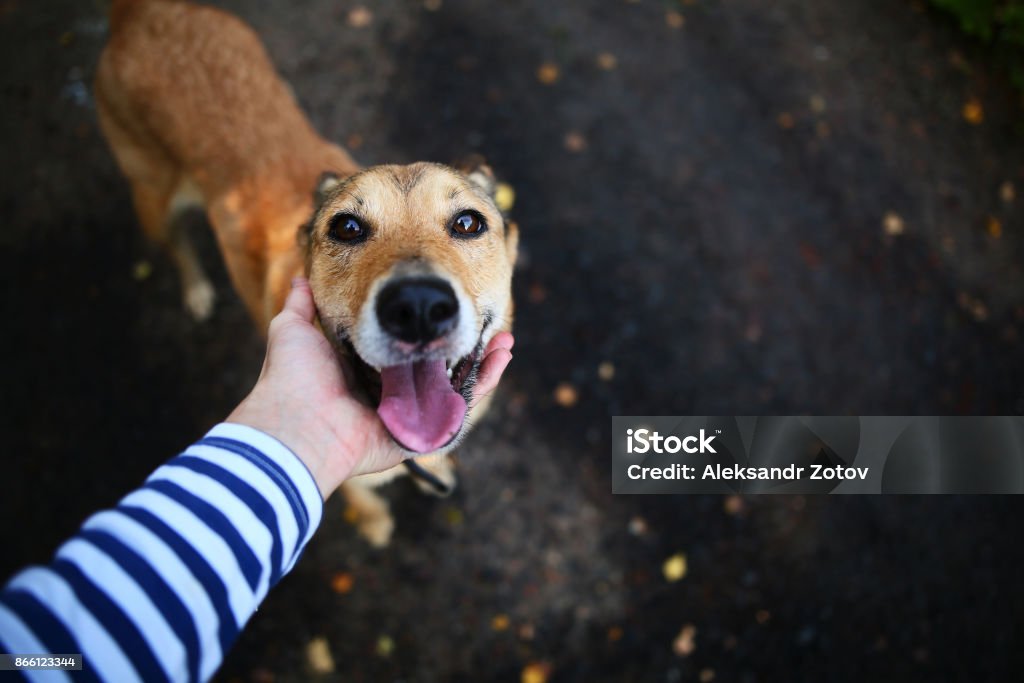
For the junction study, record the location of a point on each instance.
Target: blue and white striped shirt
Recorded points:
(158, 588)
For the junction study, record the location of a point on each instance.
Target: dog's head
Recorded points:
(411, 270)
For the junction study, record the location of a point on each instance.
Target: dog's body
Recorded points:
(197, 116)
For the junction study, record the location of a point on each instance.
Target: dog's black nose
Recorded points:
(417, 310)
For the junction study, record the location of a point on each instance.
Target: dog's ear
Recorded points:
(475, 168)
(327, 181)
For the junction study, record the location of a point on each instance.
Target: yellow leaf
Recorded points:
(504, 196)
(548, 73)
(536, 672)
(973, 112)
(994, 227)
(674, 568)
(566, 395)
(385, 646)
(342, 582)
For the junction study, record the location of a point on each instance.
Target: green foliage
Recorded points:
(1000, 23)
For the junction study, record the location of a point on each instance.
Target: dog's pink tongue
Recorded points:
(419, 406)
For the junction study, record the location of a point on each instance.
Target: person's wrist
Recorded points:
(310, 438)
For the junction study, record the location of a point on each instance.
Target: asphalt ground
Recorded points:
(761, 208)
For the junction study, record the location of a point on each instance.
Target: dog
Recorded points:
(410, 265)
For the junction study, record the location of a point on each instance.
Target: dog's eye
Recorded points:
(468, 224)
(345, 228)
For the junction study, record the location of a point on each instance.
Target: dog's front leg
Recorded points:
(373, 517)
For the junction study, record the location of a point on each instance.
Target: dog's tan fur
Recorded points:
(197, 117)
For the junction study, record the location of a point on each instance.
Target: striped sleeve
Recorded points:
(158, 588)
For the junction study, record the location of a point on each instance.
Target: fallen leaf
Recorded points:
(674, 568)
(976, 307)
(499, 622)
(892, 223)
(762, 616)
(453, 516)
(637, 526)
(674, 20)
(527, 632)
(535, 672)
(994, 227)
(606, 371)
(566, 395)
(537, 293)
(504, 197)
(385, 646)
(432, 5)
(342, 582)
(1007, 192)
(548, 73)
(706, 675)
(142, 270)
(359, 17)
(733, 505)
(685, 643)
(575, 142)
(785, 120)
(318, 656)
(614, 634)
(261, 675)
(810, 255)
(607, 61)
(973, 112)
(817, 104)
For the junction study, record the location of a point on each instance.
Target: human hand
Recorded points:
(303, 400)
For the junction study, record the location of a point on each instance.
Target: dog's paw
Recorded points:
(377, 530)
(199, 299)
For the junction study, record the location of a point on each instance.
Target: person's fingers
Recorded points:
(491, 369)
(502, 340)
(300, 301)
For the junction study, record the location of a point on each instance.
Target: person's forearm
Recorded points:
(160, 586)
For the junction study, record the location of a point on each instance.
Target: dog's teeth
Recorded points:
(449, 373)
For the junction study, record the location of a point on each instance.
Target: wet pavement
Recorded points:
(736, 207)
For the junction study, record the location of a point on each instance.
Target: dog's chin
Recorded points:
(422, 401)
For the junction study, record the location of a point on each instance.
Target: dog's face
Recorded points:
(411, 268)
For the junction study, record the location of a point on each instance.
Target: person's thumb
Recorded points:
(300, 300)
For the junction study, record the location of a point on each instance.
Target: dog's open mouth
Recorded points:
(423, 403)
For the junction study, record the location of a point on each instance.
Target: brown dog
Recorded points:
(410, 266)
